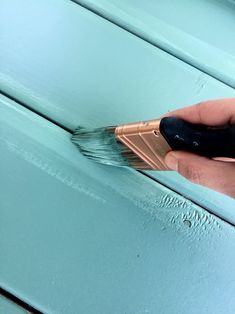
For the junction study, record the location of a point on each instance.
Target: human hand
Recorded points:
(216, 174)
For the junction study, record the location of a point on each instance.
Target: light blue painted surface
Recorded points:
(76, 237)
(217, 203)
(79, 69)
(200, 32)
(8, 307)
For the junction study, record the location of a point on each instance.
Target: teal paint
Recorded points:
(80, 237)
(93, 73)
(58, 81)
(8, 307)
(217, 203)
(188, 30)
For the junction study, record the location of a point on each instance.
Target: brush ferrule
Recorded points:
(146, 141)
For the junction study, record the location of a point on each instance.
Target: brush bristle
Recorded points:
(101, 145)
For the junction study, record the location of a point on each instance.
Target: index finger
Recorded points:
(212, 113)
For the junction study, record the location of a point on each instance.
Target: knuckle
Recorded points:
(191, 172)
(199, 108)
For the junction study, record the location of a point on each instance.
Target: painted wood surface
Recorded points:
(200, 32)
(76, 237)
(8, 307)
(79, 69)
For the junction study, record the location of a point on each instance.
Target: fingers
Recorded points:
(212, 112)
(216, 175)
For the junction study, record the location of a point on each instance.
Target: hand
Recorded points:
(213, 173)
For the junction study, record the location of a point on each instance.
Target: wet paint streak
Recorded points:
(159, 203)
(61, 90)
(172, 210)
(48, 166)
(194, 222)
(169, 201)
(145, 240)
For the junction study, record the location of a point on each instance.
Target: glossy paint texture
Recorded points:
(77, 68)
(199, 32)
(85, 238)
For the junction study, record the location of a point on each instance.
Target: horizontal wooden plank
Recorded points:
(79, 69)
(76, 237)
(200, 32)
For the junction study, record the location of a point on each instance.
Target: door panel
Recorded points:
(77, 68)
(200, 32)
(77, 237)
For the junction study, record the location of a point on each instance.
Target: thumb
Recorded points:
(217, 175)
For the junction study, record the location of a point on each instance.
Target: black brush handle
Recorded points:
(199, 139)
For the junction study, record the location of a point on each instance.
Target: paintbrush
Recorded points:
(144, 145)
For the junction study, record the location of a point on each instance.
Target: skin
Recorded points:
(215, 174)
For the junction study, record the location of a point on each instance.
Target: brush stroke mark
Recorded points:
(62, 93)
(169, 201)
(164, 206)
(159, 203)
(49, 167)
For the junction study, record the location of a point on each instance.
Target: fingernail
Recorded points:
(171, 161)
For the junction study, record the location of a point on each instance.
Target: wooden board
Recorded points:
(78, 69)
(200, 32)
(76, 237)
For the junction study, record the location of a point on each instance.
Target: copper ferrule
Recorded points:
(146, 141)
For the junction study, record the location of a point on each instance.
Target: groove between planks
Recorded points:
(24, 305)
(151, 42)
(163, 183)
